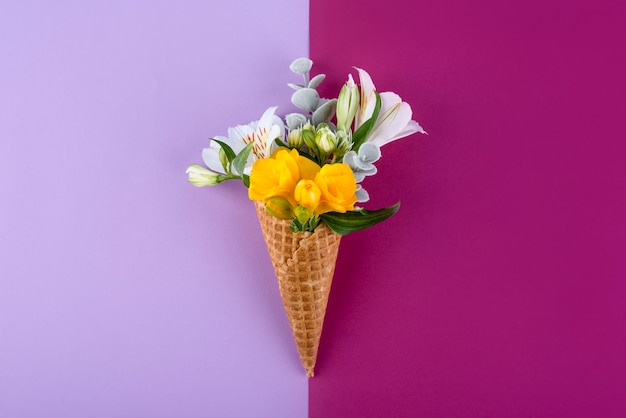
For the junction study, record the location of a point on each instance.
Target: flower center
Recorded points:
(259, 138)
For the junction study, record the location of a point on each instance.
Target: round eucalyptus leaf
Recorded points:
(301, 65)
(306, 99)
(369, 152)
(325, 112)
(295, 120)
(295, 86)
(316, 81)
(361, 194)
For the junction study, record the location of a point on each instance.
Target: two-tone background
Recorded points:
(498, 290)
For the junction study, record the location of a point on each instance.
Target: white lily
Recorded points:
(394, 120)
(262, 133)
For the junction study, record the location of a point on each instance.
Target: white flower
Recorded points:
(394, 120)
(262, 133)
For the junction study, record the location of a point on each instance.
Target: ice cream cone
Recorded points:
(304, 263)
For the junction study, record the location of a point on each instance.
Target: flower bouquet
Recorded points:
(304, 174)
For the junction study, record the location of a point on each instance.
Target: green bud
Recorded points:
(347, 104)
(308, 136)
(279, 207)
(200, 176)
(302, 214)
(294, 138)
(325, 139)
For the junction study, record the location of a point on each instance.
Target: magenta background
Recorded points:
(498, 290)
(125, 291)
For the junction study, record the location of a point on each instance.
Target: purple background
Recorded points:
(125, 291)
(499, 289)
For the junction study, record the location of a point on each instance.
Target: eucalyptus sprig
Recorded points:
(306, 97)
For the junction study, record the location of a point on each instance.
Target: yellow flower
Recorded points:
(308, 168)
(338, 188)
(278, 175)
(307, 194)
(274, 177)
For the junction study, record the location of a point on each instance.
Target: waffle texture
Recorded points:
(304, 263)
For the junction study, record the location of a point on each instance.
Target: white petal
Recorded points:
(367, 85)
(415, 126)
(274, 132)
(211, 158)
(266, 119)
(390, 103)
(268, 128)
(276, 121)
(237, 136)
(411, 128)
(392, 125)
(368, 98)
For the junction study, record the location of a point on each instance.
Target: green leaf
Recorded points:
(246, 180)
(281, 143)
(239, 163)
(230, 154)
(358, 137)
(296, 226)
(345, 223)
(309, 226)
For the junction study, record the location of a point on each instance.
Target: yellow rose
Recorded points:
(338, 188)
(278, 175)
(274, 177)
(307, 194)
(308, 168)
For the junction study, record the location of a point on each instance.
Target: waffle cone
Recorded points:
(304, 263)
